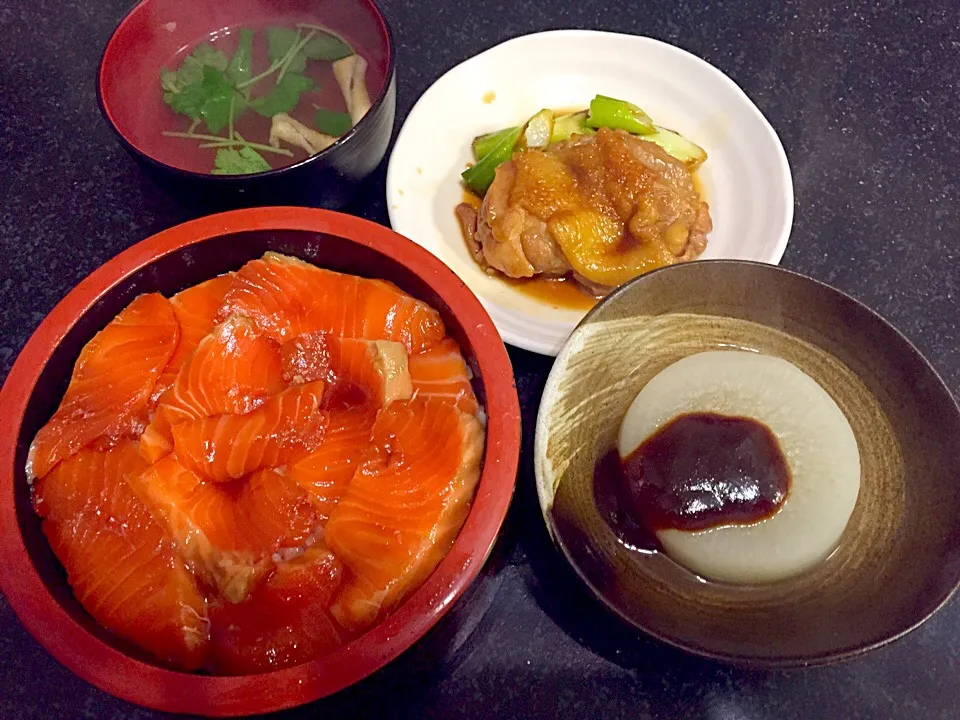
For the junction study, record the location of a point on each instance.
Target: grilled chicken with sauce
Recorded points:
(604, 207)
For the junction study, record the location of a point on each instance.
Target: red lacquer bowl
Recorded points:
(155, 34)
(34, 582)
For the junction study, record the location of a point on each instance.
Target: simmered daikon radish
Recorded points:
(816, 441)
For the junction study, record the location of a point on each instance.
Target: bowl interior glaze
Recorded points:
(899, 557)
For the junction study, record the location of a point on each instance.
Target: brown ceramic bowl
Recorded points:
(32, 579)
(898, 560)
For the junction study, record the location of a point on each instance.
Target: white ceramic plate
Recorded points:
(746, 178)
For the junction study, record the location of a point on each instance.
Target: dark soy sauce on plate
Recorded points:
(699, 471)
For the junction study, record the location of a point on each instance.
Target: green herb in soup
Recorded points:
(332, 123)
(259, 86)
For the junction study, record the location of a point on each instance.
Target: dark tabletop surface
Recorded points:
(865, 97)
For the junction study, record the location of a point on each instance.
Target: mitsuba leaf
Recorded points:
(169, 80)
(326, 46)
(279, 42)
(208, 99)
(191, 69)
(332, 123)
(196, 89)
(206, 54)
(188, 101)
(241, 65)
(284, 96)
(217, 94)
(246, 160)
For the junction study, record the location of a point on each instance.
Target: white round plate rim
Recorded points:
(534, 341)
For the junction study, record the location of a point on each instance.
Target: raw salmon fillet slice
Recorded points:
(111, 383)
(227, 532)
(195, 309)
(119, 562)
(228, 447)
(404, 506)
(287, 297)
(326, 472)
(375, 368)
(232, 371)
(284, 622)
(441, 372)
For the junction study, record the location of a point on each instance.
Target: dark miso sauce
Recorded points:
(699, 471)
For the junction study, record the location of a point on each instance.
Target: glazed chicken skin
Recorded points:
(606, 207)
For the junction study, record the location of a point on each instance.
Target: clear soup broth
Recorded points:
(189, 153)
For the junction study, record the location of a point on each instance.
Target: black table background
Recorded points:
(865, 98)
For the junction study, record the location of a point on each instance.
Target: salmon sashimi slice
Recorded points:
(234, 370)
(195, 309)
(284, 622)
(378, 368)
(441, 372)
(228, 533)
(111, 383)
(404, 506)
(375, 368)
(119, 562)
(228, 447)
(287, 297)
(326, 472)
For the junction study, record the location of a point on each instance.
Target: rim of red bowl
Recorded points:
(111, 55)
(179, 692)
